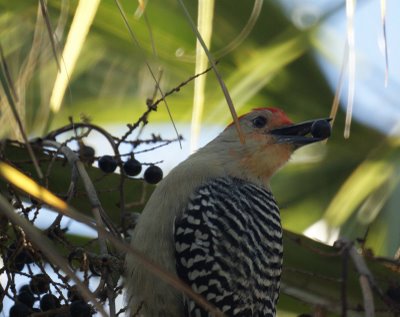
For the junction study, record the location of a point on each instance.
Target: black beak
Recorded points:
(296, 134)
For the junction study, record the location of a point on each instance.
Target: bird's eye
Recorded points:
(259, 122)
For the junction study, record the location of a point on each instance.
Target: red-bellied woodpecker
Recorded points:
(214, 223)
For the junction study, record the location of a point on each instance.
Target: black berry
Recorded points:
(19, 310)
(86, 153)
(27, 298)
(25, 288)
(18, 261)
(132, 167)
(40, 283)
(107, 164)
(321, 129)
(48, 302)
(73, 294)
(80, 308)
(153, 174)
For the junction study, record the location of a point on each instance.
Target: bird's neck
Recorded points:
(263, 163)
(254, 166)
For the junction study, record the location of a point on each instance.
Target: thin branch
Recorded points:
(369, 307)
(153, 107)
(177, 88)
(148, 101)
(98, 212)
(136, 41)
(366, 281)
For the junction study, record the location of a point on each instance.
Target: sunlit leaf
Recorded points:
(29, 186)
(76, 37)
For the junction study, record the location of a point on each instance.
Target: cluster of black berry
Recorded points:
(132, 167)
(38, 290)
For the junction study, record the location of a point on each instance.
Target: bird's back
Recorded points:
(228, 245)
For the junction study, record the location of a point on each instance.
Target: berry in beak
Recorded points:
(296, 134)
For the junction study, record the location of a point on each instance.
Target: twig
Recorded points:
(366, 281)
(136, 41)
(97, 209)
(149, 102)
(153, 107)
(155, 147)
(369, 307)
(74, 126)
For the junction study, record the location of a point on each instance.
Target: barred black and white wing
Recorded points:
(228, 245)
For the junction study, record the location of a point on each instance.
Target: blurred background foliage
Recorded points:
(352, 185)
(275, 65)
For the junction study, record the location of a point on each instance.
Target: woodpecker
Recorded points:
(214, 223)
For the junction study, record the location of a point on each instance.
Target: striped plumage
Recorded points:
(228, 246)
(214, 223)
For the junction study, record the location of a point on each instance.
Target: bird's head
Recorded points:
(270, 138)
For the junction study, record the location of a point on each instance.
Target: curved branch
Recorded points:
(98, 211)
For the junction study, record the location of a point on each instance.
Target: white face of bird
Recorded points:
(270, 139)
